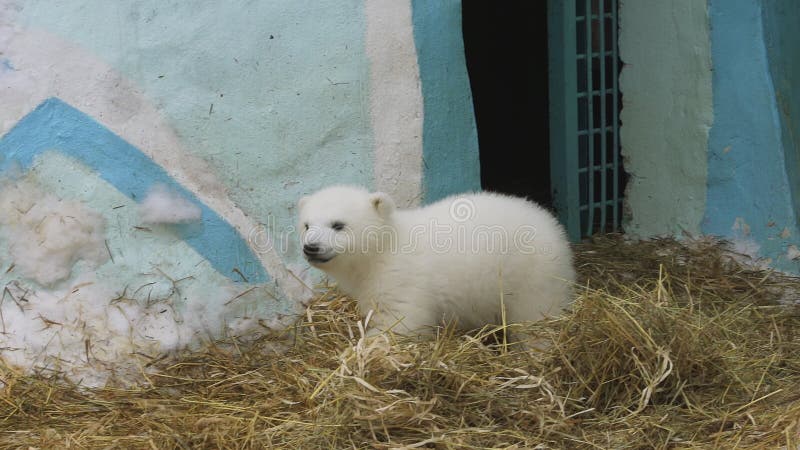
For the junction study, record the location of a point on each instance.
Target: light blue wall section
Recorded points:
(450, 140)
(749, 192)
(272, 94)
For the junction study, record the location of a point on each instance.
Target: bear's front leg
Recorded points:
(403, 321)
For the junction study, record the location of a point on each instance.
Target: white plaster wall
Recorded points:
(667, 113)
(395, 100)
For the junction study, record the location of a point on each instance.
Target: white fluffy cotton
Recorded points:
(91, 333)
(46, 235)
(63, 310)
(162, 205)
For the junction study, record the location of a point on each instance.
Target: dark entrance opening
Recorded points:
(506, 50)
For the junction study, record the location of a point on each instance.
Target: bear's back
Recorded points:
(458, 254)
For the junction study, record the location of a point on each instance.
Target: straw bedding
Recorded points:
(669, 345)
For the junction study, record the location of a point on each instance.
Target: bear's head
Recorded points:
(339, 225)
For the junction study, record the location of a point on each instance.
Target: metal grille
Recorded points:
(586, 167)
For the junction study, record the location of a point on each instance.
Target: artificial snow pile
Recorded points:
(62, 311)
(47, 236)
(91, 333)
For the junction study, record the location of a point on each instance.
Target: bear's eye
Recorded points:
(306, 225)
(338, 226)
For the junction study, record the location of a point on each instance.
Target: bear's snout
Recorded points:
(312, 249)
(316, 253)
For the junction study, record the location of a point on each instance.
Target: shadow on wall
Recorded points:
(782, 40)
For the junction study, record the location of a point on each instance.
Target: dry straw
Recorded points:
(668, 346)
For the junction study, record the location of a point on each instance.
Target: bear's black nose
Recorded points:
(311, 249)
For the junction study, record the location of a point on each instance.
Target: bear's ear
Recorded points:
(382, 203)
(301, 202)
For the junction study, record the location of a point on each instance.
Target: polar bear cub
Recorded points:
(466, 258)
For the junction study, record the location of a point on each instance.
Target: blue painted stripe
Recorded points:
(57, 126)
(451, 162)
(747, 178)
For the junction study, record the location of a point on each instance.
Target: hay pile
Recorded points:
(668, 346)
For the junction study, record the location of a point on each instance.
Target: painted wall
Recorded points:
(151, 154)
(750, 184)
(780, 19)
(666, 114)
(735, 173)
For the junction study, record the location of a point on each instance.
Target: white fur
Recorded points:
(417, 267)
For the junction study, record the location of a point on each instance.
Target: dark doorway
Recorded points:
(506, 51)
